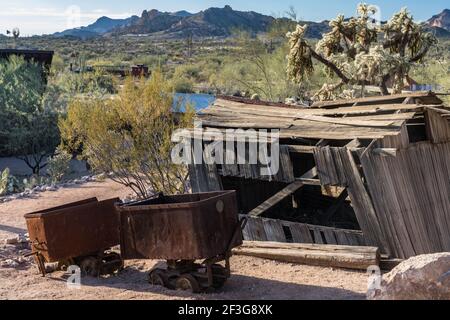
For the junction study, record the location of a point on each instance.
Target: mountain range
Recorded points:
(212, 22)
(440, 23)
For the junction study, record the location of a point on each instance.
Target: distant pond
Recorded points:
(198, 101)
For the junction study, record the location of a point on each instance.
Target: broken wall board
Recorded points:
(362, 203)
(438, 128)
(411, 196)
(281, 195)
(399, 141)
(265, 229)
(204, 177)
(329, 166)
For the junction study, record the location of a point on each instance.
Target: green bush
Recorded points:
(183, 85)
(58, 165)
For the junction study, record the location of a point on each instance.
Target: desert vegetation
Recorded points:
(130, 136)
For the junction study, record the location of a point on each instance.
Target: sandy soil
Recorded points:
(252, 278)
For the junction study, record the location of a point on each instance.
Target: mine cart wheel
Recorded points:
(220, 276)
(90, 266)
(40, 261)
(187, 282)
(112, 262)
(158, 277)
(65, 264)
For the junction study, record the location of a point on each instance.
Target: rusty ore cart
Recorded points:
(80, 233)
(183, 229)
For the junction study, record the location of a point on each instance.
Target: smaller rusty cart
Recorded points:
(183, 230)
(80, 233)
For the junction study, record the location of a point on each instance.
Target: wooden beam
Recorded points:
(309, 182)
(447, 111)
(409, 100)
(389, 152)
(351, 257)
(351, 122)
(322, 143)
(280, 196)
(354, 144)
(368, 149)
(301, 149)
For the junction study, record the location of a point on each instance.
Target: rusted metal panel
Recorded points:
(74, 230)
(182, 227)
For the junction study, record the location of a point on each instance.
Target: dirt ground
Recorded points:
(252, 278)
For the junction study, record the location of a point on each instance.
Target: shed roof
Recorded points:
(365, 118)
(39, 56)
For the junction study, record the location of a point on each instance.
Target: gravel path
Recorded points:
(252, 278)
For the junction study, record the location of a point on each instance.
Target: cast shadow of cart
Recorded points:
(238, 287)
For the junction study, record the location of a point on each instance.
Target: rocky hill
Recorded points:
(441, 20)
(212, 22)
(209, 23)
(102, 26)
(440, 24)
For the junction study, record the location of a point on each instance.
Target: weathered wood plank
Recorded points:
(438, 129)
(300, 233)
(321, 255)
(362, 204)
(411, 195)
(280, 196)
(274, 230)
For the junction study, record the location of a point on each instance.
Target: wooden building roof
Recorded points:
(365, 118)
(40, 56)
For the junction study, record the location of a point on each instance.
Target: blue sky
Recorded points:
(48, 16)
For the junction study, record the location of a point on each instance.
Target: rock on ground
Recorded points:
(423, 277)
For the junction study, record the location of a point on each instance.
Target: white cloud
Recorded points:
(42, 20)
(51, 12)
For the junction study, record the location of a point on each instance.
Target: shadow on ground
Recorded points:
(12, 229)
(237, 287)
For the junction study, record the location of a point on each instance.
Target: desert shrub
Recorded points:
(58, 165)
(8, 183)
(21, 85)
(130, 136)
(58, 65)
(183, 85)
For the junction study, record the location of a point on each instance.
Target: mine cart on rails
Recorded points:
(194, 233)
(80, 233)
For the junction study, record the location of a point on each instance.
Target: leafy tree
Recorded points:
(27, 129)
(35, 139)
(358, 52)
(130, 136)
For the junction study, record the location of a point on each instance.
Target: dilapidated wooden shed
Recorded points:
(370, 171)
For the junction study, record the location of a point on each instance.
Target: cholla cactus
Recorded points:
(4, 178)
(8, 183)
(361, 53)
(300, 64)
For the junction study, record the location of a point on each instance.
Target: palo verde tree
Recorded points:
(358, 51)
(28, 129)
(130, 136)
